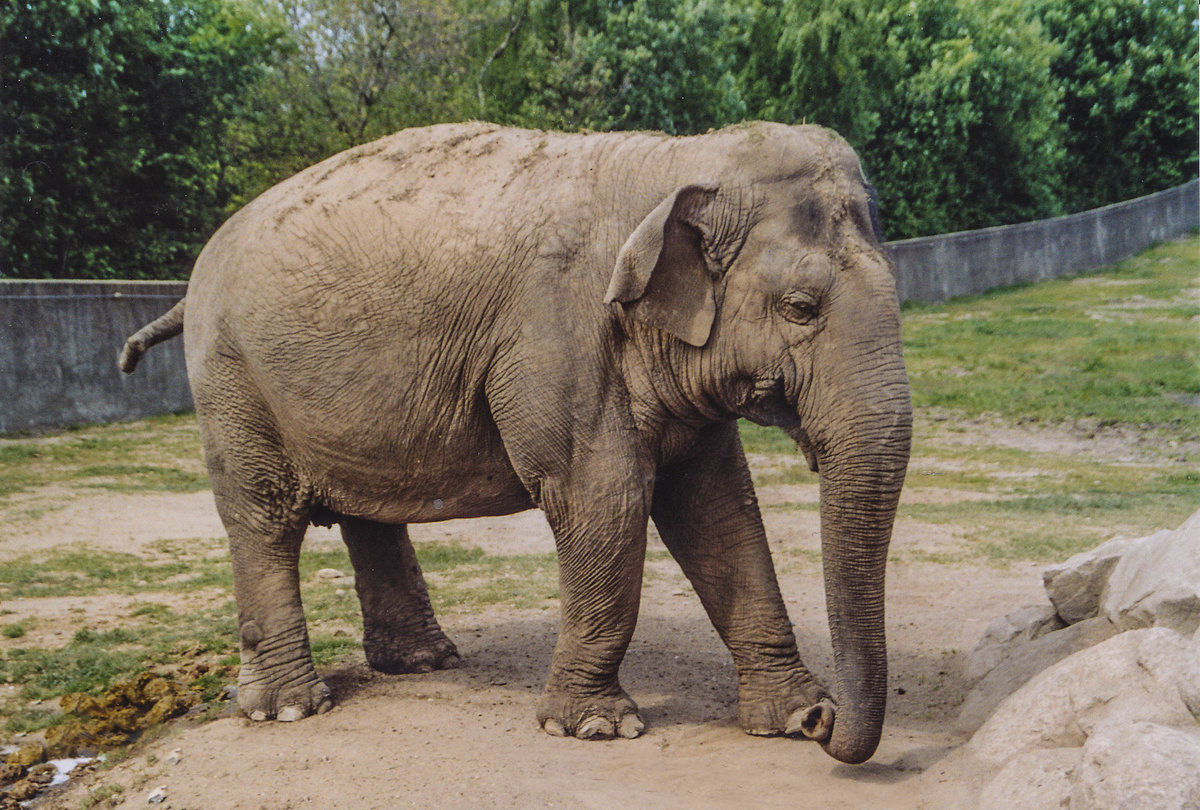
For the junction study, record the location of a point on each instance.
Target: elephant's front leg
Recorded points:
(600, 530)
(400, 633)
(707, 514)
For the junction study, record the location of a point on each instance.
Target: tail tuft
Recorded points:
(163, 328)
(131, 354)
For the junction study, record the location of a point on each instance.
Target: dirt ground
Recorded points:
(467, 737)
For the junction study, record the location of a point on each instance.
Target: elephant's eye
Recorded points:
(799, 307)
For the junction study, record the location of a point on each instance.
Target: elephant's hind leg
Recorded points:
(265, 515)
(400, 633)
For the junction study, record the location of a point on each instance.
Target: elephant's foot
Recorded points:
(792, 706)
(397, 654)
(589, 717)
(282, 696)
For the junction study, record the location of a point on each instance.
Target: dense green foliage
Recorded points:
(952, 107)
(132, 128)
(649, 64)
(1127, 69)
(113, 114)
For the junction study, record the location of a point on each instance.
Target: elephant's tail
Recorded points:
(164, 328)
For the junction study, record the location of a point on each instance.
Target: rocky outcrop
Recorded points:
(1124, 584)
(1016, 670)
(1139, 764)
(1114, 726)
(1148, 582)
(1012, 630)
(1135, 676)
(1075, 587)
(1093, 701)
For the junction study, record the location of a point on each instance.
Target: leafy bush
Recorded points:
(114, 117)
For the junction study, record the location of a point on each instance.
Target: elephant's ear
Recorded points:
(663, 273)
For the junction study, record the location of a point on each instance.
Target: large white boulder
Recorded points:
(1036, 780)
(1151, 581)
(1141, 675)
(1008, 633)
(1156, 582)
(1076, 587)
(1136, 765)
(1026, 661)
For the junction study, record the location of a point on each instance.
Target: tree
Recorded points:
(949, 103)
(352, 71)
(1127, 69)
(646, 64)
(114, 116)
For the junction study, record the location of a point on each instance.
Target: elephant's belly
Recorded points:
(463, 498)
(405, 489)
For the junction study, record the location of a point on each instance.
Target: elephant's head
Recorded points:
(765, 294)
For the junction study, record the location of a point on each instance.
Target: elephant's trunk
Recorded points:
(861, 479)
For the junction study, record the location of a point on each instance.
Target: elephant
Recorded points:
(468, 320)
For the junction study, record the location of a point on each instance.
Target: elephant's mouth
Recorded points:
(767, 404)
(800, 437)
(764, 402)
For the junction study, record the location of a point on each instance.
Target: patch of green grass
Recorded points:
(1038, 545)
(80, 572)
(761, 440)
(152, 455)
(140, 478)
(328, 649)
(84, 665)
(93, 660)
(1117, 347)
(25, 719)
(313, 560)
(443, 556)
(16, 629)
(480, 580)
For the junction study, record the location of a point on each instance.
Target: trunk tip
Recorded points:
(853, 749)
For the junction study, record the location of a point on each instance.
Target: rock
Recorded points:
(1141, 764)
(1190, 689)
(1156, 582)
(158, 795)
(22, 791)
(1134, 676)
(1075, 587)
(11, 773)
(27, 754)
(1024, 663)
(1038, 780)
(1010, 632)
(330, 573)
(42, 774)
(174, 757)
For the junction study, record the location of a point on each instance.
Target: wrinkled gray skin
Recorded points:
(466, 320)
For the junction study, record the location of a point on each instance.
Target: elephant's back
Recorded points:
(413, 220)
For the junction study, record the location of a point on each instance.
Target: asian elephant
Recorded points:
(467, 320)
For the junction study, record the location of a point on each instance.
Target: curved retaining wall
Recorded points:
(59, 339)
(936, 268)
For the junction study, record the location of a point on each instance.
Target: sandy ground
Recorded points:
(467, 737)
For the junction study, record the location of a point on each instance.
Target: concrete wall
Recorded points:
(58, 353)
(59, 339)
(935, 268)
